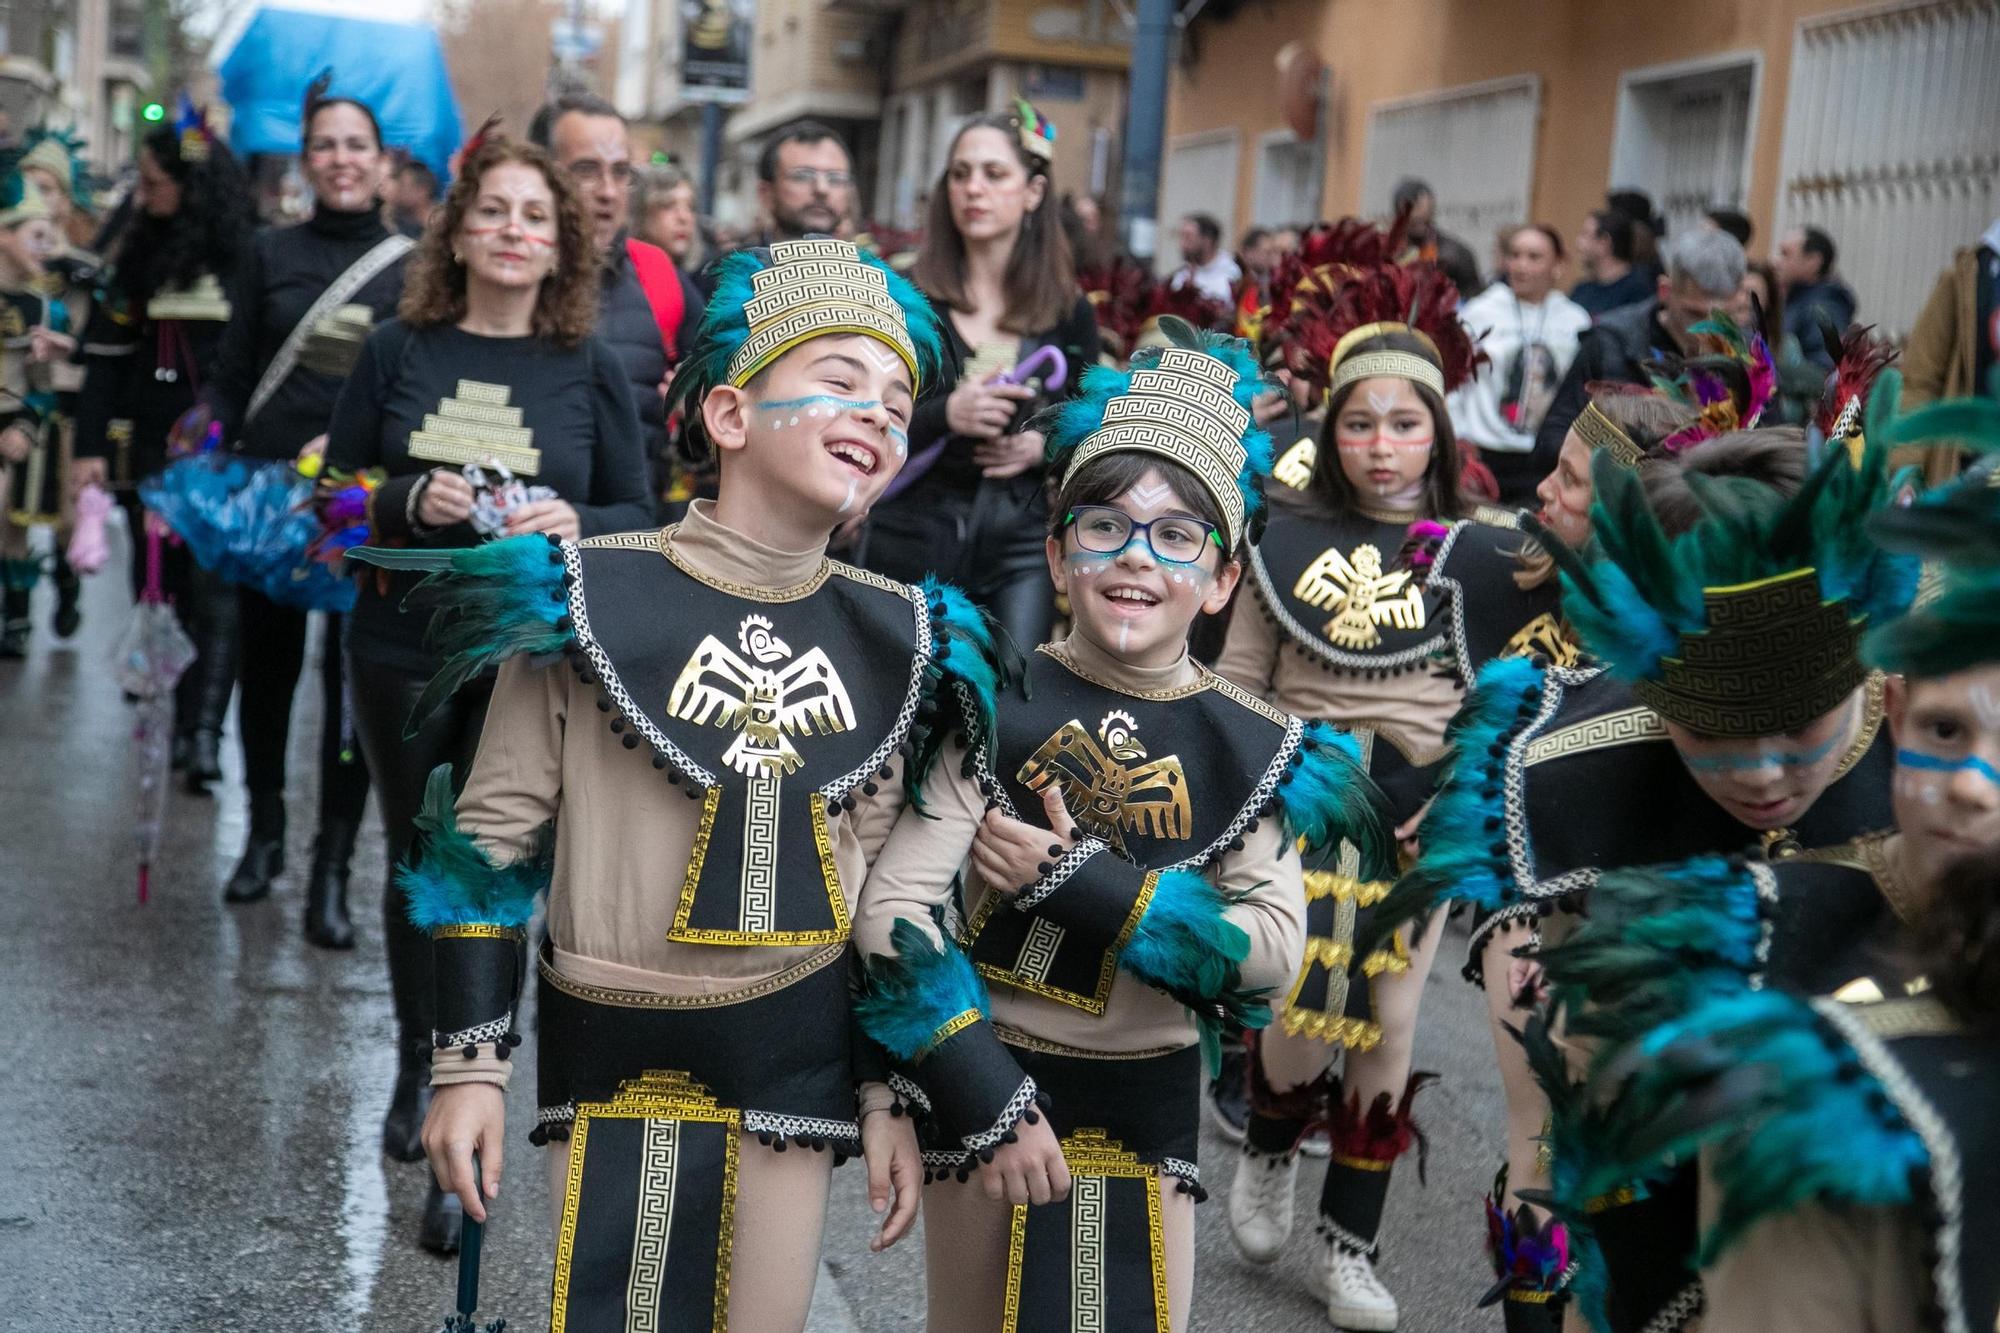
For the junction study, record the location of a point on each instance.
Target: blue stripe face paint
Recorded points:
(1937, 764)
(815, 404)
(1750, 763)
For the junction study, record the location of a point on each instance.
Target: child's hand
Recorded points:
(1010, 855)
(1029, 1170)
(467, 1118)
(895, 1168)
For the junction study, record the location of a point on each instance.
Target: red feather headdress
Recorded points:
(1127, 296)
(1417, 296)
(1861, 359)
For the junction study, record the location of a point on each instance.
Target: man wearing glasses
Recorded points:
(647, 309)
(805, 182)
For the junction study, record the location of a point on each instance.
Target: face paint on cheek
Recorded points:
(1086, 563)
(1751, 763)
(1368, 445)
(847, 504)
(901, 439)
(1930, 763)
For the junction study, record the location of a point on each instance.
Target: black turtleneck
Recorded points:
(285, 272)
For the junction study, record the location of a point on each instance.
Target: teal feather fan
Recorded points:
(1072, 422)
(451, 882)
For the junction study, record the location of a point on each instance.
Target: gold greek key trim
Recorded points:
(948, 1030)
(1874, 707)
(1599, 432)
(1093, 1004)
(1626, 726)
(1090, 1152)
(664, 542)
(655, 1095)
(628, 999)
(856, 574)
(477, 930)
(1139, 906)
(1383, 515)
(1204, 680)
(681, 933)
(1229, 689)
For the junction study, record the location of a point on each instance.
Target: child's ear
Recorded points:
(1057, 574)
(1226, 576)
(725, 414)
(1896, 699)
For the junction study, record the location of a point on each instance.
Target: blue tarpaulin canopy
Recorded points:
(396, 68)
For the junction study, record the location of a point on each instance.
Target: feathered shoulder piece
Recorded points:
(1325, 320)
(1761, 589)
(494, 601)
(968, 668)
(1187, 402)
(1327, 797)
(771, 299)
(1728, 379)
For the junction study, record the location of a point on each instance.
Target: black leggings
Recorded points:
(272, 644)
(383, 698)
(991, 543)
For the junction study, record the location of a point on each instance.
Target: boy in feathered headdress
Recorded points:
(1725, 595)
(699, 789)
(1127, 839)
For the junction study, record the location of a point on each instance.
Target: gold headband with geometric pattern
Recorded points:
(812, 289)
(1597, 430)
(1184, 410)
(1345, 369)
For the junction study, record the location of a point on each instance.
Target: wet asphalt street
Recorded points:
(192, 1093)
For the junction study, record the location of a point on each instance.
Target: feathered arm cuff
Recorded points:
(1465, 855)
(927, 1007)
(494, 602)
(477, 915)
(963, 679)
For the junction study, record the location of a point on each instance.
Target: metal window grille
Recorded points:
(1892, 144)
(1474, 144)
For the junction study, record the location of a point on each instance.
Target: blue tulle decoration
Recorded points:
(249, 526)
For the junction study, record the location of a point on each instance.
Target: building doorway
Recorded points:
(1683, 135)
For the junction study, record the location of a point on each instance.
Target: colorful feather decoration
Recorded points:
(451, 882)
(908, 997)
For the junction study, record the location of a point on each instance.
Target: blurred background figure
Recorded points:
(412, 194)
(664, 215)
(805, 182)
(1205, 265)
(1604, 255)
(1814, 294)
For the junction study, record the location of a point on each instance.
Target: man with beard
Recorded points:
(647, 308)
(805, 182)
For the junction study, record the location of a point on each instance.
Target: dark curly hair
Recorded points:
(207, 234)
(434, 288)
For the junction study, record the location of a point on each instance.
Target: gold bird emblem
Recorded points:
(1544, 634)
(1360, 596)
(1108, 784)
(1295, 466)
(766, 702)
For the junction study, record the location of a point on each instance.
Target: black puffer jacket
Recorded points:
(625, 322)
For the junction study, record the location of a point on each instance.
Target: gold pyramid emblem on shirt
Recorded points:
(477, 426)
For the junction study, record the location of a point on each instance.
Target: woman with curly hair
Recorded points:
(489, 364)
(154, 336)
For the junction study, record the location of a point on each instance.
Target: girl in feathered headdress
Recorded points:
(1341, 627)
(1129, 841)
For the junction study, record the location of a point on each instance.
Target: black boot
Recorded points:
(263, 851)
(17, 578)
(326, 891)
(69, 593)
(444, 1219)
(214, 673)
(409, 1103)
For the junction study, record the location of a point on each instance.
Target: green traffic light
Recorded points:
(153, 111)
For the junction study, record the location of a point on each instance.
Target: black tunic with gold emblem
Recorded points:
(1477, 570)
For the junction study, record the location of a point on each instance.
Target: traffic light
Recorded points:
(153, 113)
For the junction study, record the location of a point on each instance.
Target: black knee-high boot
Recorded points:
(212, 678)
(263, 852)
(17, 588)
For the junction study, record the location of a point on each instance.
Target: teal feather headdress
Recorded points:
(1955, 625)
(772, 299)
(1749, 623)
(1187, 402)
(20, 201)
(60, 153)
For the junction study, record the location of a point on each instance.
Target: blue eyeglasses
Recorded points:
(1173, 539)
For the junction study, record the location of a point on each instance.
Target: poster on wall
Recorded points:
(715, 49)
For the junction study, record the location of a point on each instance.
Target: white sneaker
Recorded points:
(1355, 1297)
(1260, 1204)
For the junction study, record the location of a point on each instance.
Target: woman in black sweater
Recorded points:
(490, 359)
(273, 406)
(996, 259)
(154, 332)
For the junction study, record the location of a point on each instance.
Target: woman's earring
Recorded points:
(457, 258)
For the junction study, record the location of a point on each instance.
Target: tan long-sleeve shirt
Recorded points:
(623, 833)
(924, 853)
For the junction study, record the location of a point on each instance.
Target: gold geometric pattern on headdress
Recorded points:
(1183, 410)
(1776, 655)
(1597, 430)
(1345, 369)
(811, 289)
